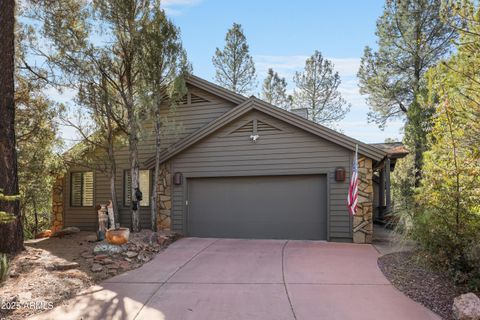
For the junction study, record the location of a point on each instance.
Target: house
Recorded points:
(239, 167)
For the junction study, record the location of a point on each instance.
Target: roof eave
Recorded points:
(298, 121)
(215, 89)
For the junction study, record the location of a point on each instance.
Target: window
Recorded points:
(144, 188)
(81, 191)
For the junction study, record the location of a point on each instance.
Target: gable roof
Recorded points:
(286, 116)
(215, 89)
(394, 150)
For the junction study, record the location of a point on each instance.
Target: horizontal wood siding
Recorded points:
(183, 121)
(230, 152)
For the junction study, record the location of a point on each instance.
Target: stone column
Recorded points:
(57, 204)
(363, 219)
(164, 190)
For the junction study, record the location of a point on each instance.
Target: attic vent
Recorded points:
(197, 99)
(246, 128)
(265, 127)
(190, 98)
(256, 126)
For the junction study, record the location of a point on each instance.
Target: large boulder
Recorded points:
(108, 249)
(466, 307)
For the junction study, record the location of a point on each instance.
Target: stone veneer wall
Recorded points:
(363, 219)
(57, 204)
(164, 191)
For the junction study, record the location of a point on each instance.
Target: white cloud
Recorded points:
(174, 7)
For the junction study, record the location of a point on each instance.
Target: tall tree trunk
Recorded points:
(113, 173)
(113, 195)
(134, 170)
(35, 212)
(158, 127)
(11, 234)
(419, 134)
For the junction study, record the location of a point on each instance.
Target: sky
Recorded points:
(281, 35)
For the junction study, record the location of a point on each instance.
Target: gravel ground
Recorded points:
(434, 290)
(35, 283)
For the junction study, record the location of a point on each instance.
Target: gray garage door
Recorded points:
(269, 207)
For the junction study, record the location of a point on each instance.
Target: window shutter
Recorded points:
(76, 187)
(145, 187)
(144, 182)
(87, 189)
(127, 188)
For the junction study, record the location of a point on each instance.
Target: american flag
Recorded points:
(353, 188)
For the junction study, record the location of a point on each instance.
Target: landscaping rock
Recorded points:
(14, 274)
(112, 266)
(87, 255)
(130, 254)
(100, 257)
(163, 240)
(96, 267)
(66, 231)
(107, 261)
(142, 256)
(109, 249)
(466, 307)
(62, 266)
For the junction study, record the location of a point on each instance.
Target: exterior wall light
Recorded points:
(177, 178)
(340, 174)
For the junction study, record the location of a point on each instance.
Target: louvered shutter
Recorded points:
(76, 189)
(127, 191)
(145, 187)
(144, 181)
(87, 189)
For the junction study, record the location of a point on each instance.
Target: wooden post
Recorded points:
(387, 185)
(381, 194)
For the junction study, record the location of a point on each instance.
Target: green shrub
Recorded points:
(5, 217)
(446, 219)
(4, 267)
(403, 201)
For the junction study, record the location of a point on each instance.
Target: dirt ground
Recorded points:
(52, 270)
(402, 266)
(433, 289)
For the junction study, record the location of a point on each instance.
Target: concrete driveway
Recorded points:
(220, 279)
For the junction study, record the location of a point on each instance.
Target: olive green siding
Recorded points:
(282, 149)
(186, 119)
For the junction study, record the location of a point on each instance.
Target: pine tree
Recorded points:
(447, 219)
(274, 90)
(411, 37)
(317, 91)
(108, 75)
(11, 234)
(164, 63)
(234, 67)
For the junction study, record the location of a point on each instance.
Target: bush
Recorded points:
(446, 218)
(3, 267)
(403, 201)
